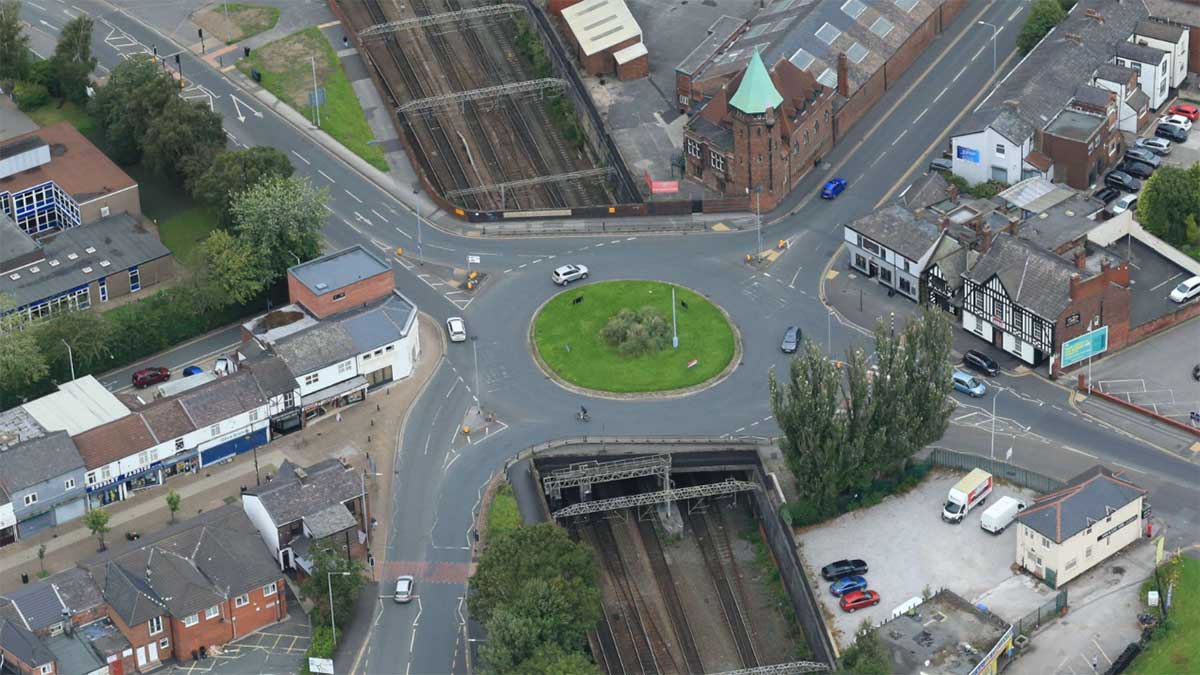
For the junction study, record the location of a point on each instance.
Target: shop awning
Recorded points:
(332, 392)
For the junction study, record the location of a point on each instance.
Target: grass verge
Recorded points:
(503, 514)
(182, 223)
(244, 21)
(567, 337)
(286, 69)
(53, 113)
(1175, 647)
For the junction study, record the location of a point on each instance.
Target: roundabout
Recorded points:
(615, 339)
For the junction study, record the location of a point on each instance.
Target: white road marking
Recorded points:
(980, 51)
(1077, 451)
(964, 69)
(536, 261)
(381, 216)
(69, 13)
(1012, 16)
(326, 176)
(1126, 466)
(918, 118)
(521, 267)
(615, 241)
(1167, 281)
(327, 208)
(37, 5)
(597, 245)
(943, 91)
(900, 136)
(404, 233)
(507, 271)
(301, 157)
(352, 195)
(794, 277)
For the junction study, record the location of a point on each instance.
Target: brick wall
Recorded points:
(125, 201)
(321, 306)
(1072, 163)
(1193, 50)
(86, 616)
(230, 623)
(635, 69)
(11, 661)
(139, 636)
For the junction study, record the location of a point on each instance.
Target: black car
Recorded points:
(1143, 155)
(942, 164)
(1171, 133)
(1136, 169)
(976, 360)
(1107, 194)
(1122, 181)
(791, 340)
(843, 568)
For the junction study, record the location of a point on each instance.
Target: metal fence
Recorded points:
(998, 468)
(1044, 614)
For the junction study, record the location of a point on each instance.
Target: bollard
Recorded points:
(399, 250)
(782, 243)
(466, 430)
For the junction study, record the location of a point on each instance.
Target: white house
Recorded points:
(1152, 66)
(1134, 106)
(993, 144)
(1170, 38)
(892, 244)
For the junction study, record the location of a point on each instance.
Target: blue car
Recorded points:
(847, 584)
(192, 370)
(968, 385)
(833, 188)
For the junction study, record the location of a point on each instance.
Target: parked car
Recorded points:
(856, 600)
(1122, 181)
(457, 328)
(843, 568)
(977, 360)
(1159, 146)
(1125, 203)
(147, 377)
(1171, 133)
(1107, 194)
(1186, 290)
(942, 164)
(1136, 169)
(967, 384)
(833, 188)
(1185, 110)
(847, 585)
(791, 340)
(192, 370)
(1178, 120)
(404, 588)
(1143, 155)
(568, 273)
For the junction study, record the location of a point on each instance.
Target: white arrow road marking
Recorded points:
(360, 217)
(238, 104)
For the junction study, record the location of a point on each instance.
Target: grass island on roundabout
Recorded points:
(615, 337)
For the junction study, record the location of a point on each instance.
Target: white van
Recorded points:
(966, 495)
(1001, 514)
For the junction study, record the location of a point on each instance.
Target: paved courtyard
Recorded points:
(275, 649)
(1157, 372)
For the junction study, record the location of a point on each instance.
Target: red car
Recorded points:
(150, 376)
(1187, 110)
(858, 599)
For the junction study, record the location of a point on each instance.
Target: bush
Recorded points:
(803, 513)
(30, 95)
(635, 333)
(987, 189)
(321, 645)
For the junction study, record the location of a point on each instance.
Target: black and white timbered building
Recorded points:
(1014, 296)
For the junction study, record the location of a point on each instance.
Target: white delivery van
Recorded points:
(1001, 514)
(966, 495)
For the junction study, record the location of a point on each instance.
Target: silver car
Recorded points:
(404, 588)
(568, 273)
(1159, 146)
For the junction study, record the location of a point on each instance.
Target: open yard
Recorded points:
(234, 21)
(567, 336)
(503, 514)
(287, 72)
(53, 113)
(1179, 650)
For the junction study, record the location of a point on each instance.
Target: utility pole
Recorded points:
(475, 354)
(420, 254)
(758, 219)
(674, 325)
(71, 358)
(994, 32)
(316, 93)
(228, 30)
(994, 397)
(332, 623)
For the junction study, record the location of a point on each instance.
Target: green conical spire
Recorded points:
(756, 92)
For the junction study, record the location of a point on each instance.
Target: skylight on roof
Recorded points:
(34, 270)
(828, 33)
(802, 59)
(853, 8)
(857, 53)
(828, 78)
(87, 270)
(882, 27)
(906, 5)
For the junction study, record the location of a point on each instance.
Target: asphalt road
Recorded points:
(439, 473)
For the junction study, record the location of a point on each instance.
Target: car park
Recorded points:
(1159, 146)
(404, 589)
(843, 568)
(1186, 290)
(1177, 120)
(833, 188)
(1107, 194)
(457, 329)
(967, 384)
(856, 600)
(1136, 169)
(847, 585)
(1122, 181)
(147, 377)
(942, 164)
(977, 360)
(568, 273)
(1125, 203)
(791, 340)
(1185, 110)
(1143, 155)
(1171, 132)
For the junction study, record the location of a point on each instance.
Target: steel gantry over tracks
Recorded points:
(585, 474)
(382, 31)
(724, 487)
(782, 669)
(461, 97)
(530, 182)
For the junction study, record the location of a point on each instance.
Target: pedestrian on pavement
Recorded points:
(339, 417)
(1095, 664)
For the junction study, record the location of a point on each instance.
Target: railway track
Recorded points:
(666, 587)
(718, 558)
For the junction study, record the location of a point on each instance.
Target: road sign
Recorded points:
(472, 260)
(1087, 345)
(316, 98)
(316, 665)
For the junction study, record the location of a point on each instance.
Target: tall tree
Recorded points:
(72, 63)
(807, 407)
(181, 132)
(231, 268)
(515, 557)
(75, 40)
(136, 94)
(347, 580)
(1043, 15)
(235, 171)
(14, 43)
(1169, 197)
(22, 363)
(281, 219)
(89, 335)
(545, 616)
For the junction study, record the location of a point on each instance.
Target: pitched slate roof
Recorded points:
(899, 229)
(1092, 96)
(37, 460)
(756, 92)
(1111, 72)
(185, 568)
(110, 442)
(219, 400)
(1087, 499)
(39, 605)
(76, 588)
(24, 645)
(287, 498)
(1161, 31)
(315, 348)
(1034, 278)
(926, 190)
(167, 419)
(329, 520)
(1140, 53)
(272, 374)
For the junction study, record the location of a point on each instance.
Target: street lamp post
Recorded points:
(674, 324)
(829, 332)
(71, 359)
(475, 354)
(994, 32)
(994, 397)
(332, 622)
(420, 254)
(316, 93)
(758, 219)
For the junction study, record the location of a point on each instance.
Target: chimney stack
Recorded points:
(1074, 284)
(1080, 260)
(843, 75)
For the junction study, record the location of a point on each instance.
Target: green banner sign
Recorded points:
(1085, 346)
